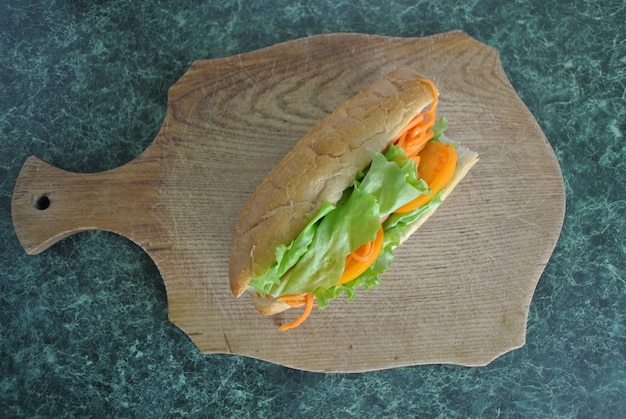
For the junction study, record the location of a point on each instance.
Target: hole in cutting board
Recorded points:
(41, 202)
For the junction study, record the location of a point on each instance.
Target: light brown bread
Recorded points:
(320, 167)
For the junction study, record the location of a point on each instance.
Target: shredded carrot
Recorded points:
(416, 134)
(437, 164)
(292, 297)
(307, 310)
(294, 300)
(414, 122)
(362, 258)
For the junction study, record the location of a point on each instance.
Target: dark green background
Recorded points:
(83, 326)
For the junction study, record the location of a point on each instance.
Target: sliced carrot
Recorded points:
(362, 258)
(305, 314)
(363, 253)
(436, 166)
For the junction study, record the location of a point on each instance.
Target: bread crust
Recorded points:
(319, 168)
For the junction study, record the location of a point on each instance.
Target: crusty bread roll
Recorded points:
(319, 168)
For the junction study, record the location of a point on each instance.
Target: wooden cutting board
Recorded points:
(459, 290)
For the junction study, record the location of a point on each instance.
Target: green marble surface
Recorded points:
(83, 326)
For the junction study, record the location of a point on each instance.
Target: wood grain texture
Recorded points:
(459, 290)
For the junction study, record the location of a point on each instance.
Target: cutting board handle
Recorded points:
(50, 204)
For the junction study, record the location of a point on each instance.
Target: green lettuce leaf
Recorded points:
(287, 256)
(392, 180)
(355, 221)
(395, 228)
(439, 127)
(316, 258)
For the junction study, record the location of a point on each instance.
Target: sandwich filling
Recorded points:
(350, 243)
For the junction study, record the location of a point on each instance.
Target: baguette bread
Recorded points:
(319, 168)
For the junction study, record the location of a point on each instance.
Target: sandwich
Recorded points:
(326, 220)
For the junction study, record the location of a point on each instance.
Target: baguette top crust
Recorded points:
(319, 168)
